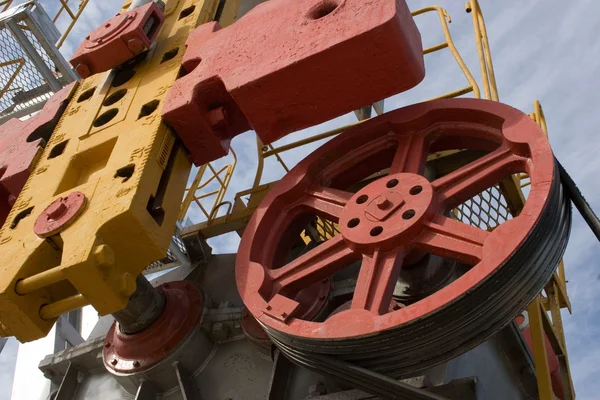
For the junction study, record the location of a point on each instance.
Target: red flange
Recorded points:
(140, 351)
(20, 145)
(118, 40)
(290, 64)
(393, 216)
(59, 214)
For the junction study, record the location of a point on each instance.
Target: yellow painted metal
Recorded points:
(73, 16)
(449, 43)
(553, 301)
(20, 63)
(5, 5)
(486, 65)
(194, 192)
(52, 311)
(542, 370)
(133, 174)
(39, 281)
(229, 12)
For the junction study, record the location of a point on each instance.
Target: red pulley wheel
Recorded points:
(404, 213)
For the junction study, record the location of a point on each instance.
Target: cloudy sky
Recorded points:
(546, 50)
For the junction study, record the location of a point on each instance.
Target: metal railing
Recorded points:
(31, 66)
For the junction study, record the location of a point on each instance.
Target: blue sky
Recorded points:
(546, 50)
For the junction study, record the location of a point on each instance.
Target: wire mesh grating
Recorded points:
(170, 259)
(487, 210)
(21, 85)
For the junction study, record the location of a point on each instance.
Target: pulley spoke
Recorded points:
(469, 180)
(411, 154)
(327, 202)
(318, 263)
(376, 281)
(447, 237)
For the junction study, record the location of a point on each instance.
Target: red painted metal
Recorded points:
(254, 331)
(391, 217)
(555, 375)
(118, 40)
(59, 214)
(288, 65)
(20, 145)
(140, 351)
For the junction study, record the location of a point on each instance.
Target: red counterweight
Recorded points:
(20, 145)
(288, 65)
(118, 40)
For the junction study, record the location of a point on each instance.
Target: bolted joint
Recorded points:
(83, 70)
(136, 46)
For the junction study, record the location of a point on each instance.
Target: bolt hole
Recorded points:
(376, 231)
(416, 190)
(169, 55)
(57, 150)
(86, 95)
(187, 12)
(353, 223)
(392, 183)
(362, 199)
(408, 214)
(115, 97)
(106, 117)
(323, 9)
(148, 108)
(125, 172)
(20, 216)
(122, 77)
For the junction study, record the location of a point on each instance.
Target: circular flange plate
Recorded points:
(132, 353)
(59, 214)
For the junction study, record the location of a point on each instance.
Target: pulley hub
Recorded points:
(385, 212)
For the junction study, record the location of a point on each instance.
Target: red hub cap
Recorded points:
(60, 214)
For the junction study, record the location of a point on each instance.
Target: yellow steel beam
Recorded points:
(133, 174)
(5, 5)
(444, 18)
(74, 19)
(538, 339)
(20, 62)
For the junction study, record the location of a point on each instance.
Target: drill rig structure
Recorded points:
(415, 255)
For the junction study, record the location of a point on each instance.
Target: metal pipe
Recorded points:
(311, 139)
(62, 39)
(473, 8)
(39, 281)
(579, 201)
(144, 307)
(54, 310)
(487, 54)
